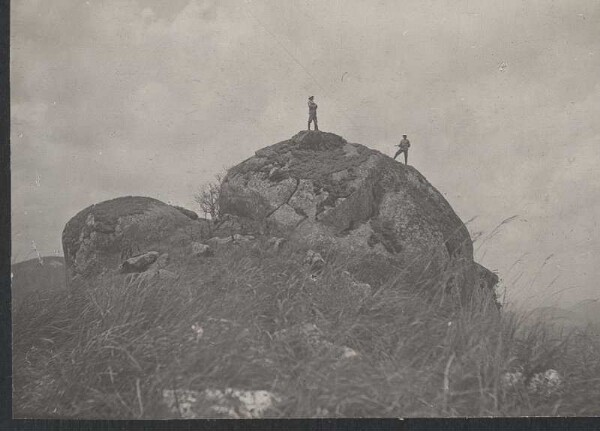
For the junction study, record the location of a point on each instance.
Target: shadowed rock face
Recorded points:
(324, 191)
(102, 236)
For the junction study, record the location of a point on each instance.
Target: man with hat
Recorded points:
(312, 112)
(403, 147)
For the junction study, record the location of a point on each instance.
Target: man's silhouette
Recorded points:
(312, 112)
(403, 147)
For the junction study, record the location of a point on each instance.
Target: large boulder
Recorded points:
(321, 190)
(102, 237)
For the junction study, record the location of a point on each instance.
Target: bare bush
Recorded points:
(207, 198)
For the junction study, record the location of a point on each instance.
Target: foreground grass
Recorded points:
(110, 352)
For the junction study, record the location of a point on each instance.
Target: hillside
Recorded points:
(316, 190)
(254, 318)
(337, 282)
(581, 315)
(35, 276)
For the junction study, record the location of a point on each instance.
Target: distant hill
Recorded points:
(587, 311)
(35, 276)
(582, 314)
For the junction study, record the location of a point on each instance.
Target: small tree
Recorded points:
(207, 198)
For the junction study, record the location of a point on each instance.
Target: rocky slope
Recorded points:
(331, 285)
(318, 191)
(326, 192)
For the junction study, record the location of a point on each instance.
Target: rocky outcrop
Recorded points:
(228, 403)
(323, 191)
(186, 212)
(487, 279)
(309, 335)
(203, 250)
(314, 261)
(139, 263)
(236, 238)
(315, 190)
(275, 243)
(103, 236)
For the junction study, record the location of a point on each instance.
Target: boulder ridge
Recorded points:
(103, 235)
(323, 191)
(315, 190)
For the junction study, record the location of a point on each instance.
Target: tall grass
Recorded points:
(109, 350)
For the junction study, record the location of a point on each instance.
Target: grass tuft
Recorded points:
(111, 349)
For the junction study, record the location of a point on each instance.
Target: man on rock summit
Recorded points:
(403, 147)
(312, 112)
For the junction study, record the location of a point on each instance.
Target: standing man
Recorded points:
(403, 147)
(312, 112)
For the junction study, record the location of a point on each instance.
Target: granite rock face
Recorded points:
(103, 236)
(316, 188)
(139, 263)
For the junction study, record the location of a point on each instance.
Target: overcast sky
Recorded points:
(501, 101)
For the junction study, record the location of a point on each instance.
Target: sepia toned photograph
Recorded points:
(257, 209)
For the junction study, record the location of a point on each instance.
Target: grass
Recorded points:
(110, 350)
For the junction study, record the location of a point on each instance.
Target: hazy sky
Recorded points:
(501, 101)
